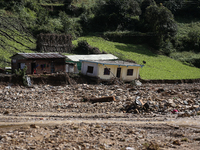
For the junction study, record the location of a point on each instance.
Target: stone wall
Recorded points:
(54, 43)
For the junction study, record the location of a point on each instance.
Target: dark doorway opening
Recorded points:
(33, 66)
(52, 67)
(118, 72)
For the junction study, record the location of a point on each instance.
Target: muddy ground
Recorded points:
(59, 117)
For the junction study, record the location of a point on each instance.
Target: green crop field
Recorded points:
(156, 67)
(10, 47)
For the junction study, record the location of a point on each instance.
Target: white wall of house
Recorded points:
(113, 72)
(84, 69)
(99, 69)
(126, 77)
(69, 68)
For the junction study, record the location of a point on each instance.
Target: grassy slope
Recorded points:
(12, 47)
(156, 67)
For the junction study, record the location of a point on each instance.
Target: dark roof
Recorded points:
(40, 55)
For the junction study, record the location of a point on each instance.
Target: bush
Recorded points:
(84, 48)
(189, 58)
(167, 48)
(131, 37)
(70, 26)
(194, 40)
(21, 74)
(190, 42)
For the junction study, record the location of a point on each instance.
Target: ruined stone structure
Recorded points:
(54, 43)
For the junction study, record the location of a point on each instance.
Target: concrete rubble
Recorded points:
(128, 103)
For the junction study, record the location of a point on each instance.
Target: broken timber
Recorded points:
(100, 99)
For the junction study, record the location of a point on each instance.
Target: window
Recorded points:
(22, 65)
(90, 69)
(106, 71)
(129, 72)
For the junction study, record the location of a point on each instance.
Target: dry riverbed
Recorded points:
(151, 116)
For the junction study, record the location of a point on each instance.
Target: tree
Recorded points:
(110, 14)
(174, 5)
(160, 20)
(144, 5)
(192, 7)
(70, 26)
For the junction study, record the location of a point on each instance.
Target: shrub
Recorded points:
(189, 58)
(21, 74)
(84, 48)
(167, 48)
(194, 40)
(70, 26)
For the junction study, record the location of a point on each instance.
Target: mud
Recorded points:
(47, 117)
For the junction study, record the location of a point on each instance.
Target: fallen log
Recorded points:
(100, 99)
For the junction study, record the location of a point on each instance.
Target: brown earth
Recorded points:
(57, 117)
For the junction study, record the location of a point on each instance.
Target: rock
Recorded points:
(130, 148)
(197, 138)
(195, 106)
(34, 126)
(136, 111)
(6, 112)
(147, 105)
(185, 102)
(176, 142)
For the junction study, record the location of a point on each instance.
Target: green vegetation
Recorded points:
(22, 75)
(156, 67)
(13, 40)
(165, 34)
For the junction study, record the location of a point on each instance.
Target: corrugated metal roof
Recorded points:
(92, 57)
(117, 62)
(41, 55)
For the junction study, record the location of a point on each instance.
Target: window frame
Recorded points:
(106, 71)
(130, 72)
(90, 69)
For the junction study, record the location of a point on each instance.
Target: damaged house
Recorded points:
(39, 63)
(126, 71)
(73, 63)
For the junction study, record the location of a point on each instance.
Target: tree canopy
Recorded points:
(161, 21)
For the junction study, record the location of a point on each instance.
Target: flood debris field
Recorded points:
(150, 116)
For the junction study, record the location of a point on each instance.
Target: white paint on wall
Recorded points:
(84, 69)
(98, 71)
(101, 71)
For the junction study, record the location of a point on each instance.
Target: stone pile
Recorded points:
(162, 99)
(101, 125)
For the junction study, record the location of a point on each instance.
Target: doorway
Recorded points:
(118, 72)
(52, 67)
(33, 66)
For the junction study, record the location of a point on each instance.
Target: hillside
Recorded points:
(21, 21)
(156, 67)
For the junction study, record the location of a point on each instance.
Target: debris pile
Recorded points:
(83, 116)
(161, 99)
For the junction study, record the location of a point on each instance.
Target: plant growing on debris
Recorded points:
(21, 73)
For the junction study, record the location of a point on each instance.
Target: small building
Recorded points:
(39, 63)
(126, 71)
(76, 58)
(71, 67)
